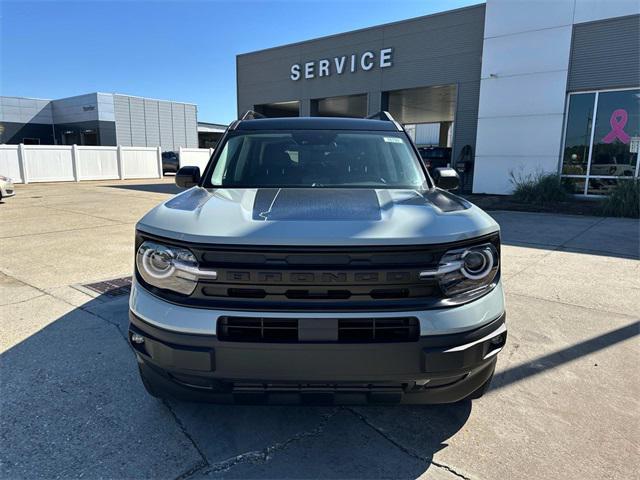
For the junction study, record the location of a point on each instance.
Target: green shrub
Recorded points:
(538, 189)
(624, 200)
(571, 187)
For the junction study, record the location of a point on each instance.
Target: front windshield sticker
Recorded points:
(392, 140)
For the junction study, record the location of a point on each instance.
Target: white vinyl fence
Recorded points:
(60, 163)
(195, 157)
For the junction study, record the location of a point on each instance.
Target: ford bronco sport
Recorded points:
(316, 260)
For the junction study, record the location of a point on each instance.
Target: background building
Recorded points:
(209, 134)
(514, 87)
(99, 119)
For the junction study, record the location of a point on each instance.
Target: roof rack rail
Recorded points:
(251, 115)
(381, 115)
(248, 115)
(385, 116)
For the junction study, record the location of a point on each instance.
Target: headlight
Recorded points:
(170, 268)
(5, 179)
(466, 271)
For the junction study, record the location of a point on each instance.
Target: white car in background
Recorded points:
(6, 187)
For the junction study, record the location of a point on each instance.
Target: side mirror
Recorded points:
(446, 178)
(188, 177)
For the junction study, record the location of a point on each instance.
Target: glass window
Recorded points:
(318, 158)
(603, 186)
(578, 134)
(593, 161)
(617, 120)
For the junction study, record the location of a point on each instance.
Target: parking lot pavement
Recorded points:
(564, 402)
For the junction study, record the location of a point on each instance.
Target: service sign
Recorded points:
(352, 63)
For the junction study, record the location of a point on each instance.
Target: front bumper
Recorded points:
(7, 190)
(438, 368)
(202, 321)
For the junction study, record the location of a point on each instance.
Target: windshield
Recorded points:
(317, 158)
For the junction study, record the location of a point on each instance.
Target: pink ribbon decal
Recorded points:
(617, 121)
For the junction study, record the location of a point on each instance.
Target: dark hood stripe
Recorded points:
(316, 204)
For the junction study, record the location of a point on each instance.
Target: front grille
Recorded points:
(320, 279)
(223, 291)
(291, 330)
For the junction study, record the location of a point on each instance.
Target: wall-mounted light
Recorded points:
(493, 75)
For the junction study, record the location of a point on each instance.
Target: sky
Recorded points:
(173, 50)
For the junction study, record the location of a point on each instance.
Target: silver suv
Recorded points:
(315, 260)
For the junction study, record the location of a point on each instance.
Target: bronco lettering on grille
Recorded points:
(333, 277)
(270, 277)
(318, 277)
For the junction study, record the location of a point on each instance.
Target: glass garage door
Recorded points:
(601, 140)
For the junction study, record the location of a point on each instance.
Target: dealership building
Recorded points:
(513, 87)
(99, 119)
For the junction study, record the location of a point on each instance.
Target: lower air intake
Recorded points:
(371, 330)
(292, 330)
(255, 329)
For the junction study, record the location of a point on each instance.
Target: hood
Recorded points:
(317, 216)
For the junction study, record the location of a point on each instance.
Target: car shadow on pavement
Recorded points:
(168, 188)
(72, 404)
(565, 355)
(319, 442)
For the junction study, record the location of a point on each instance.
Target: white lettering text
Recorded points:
(325, 67)
(366, 61)
(295, 72)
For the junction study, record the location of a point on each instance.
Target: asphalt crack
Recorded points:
(192, 471)
(266, 454)
(449, 469)
(203, 463)
(404, 449)
(23, 301)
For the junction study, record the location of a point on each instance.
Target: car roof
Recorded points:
(316, 123)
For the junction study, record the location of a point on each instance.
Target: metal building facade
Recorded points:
(99, 119)
(146, 122)
(435, 50)
(512, 70)
(605, 54)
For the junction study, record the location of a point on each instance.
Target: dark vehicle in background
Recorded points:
(435, 157)
(170, 162)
